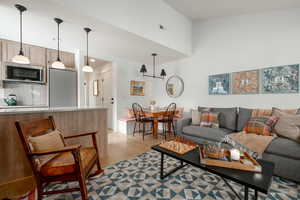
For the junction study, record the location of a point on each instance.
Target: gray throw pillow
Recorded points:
(243, 117)
(227, 117)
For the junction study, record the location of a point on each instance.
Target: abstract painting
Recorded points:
(281, 79)
(246, 82)
(137, 88)
(219, 84)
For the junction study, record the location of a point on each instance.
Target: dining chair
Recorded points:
(168, 120)
(141, 118)
(52, 161)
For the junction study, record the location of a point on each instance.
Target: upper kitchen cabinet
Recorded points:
(12, 48)
(36, 55)
(67, 58)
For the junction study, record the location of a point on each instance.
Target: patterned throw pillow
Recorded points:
(286, 111)
(261, 112)
(261, 125)
(209, 119)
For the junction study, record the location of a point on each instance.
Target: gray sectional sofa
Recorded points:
(285, 153)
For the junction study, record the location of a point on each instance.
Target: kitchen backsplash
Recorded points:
(27, 94)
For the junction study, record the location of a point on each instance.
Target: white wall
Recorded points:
(127, 71)
(236, 44)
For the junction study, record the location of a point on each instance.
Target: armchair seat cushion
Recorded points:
(64, 163)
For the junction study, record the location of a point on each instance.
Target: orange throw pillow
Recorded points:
(261, 125)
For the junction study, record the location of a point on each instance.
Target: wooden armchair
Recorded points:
(67, 163)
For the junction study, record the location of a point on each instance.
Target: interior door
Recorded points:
(106, 95)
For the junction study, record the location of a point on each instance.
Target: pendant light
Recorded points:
(58, 64)
(87, 67)
(20, 58)
(143, 69)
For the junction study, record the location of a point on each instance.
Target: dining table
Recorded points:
(157, 114)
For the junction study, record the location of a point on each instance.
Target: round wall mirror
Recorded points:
(174, 86)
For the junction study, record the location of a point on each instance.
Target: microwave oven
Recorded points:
(24, 73)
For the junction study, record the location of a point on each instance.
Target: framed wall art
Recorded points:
(219, 84)
(246, 82)
(137, 88)
(281, 79)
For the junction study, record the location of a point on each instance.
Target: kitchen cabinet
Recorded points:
(36, 54)
(67, 58)
(12, 48)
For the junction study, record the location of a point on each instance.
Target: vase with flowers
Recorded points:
(152, 104)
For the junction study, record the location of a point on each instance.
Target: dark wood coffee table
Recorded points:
(259, 182)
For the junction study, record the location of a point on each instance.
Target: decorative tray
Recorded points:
(246, 163)
(179, 145)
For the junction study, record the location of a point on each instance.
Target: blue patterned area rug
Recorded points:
(138, 178)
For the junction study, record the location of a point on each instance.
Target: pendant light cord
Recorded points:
(58, 56)
(153, 65)
(21, 36)
(87, 48)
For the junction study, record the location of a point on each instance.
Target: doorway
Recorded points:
(99, 87)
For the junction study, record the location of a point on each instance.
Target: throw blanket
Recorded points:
(254, 142)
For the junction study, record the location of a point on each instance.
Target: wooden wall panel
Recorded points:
(14, 164)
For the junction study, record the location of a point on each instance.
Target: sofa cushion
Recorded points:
(213, 134)
(243, 118)
(284, 147)
(227, 117)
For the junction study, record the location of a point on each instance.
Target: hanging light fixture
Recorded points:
(87, 67)
(20, 58)
(58, 64)
(143, 70)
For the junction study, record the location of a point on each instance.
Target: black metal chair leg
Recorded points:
(166, 131)
(139, 128)
(134, 128)
(173, 126)
(144, 130)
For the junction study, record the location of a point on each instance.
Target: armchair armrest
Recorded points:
(60, 150)
(180, 124)
(81, 135)
(92, 133)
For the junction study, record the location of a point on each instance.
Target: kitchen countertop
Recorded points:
(46, 109)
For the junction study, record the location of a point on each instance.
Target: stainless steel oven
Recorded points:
(24, 73)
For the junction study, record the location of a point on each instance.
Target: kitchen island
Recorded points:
(14, 166)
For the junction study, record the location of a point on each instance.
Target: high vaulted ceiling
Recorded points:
(106, 40)
(204, 9)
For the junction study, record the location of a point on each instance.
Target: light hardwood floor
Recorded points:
(123, 147)
(120, 147)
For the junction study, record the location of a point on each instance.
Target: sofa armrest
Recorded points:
(182, 123)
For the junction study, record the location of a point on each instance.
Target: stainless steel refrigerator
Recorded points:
(62, 88)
